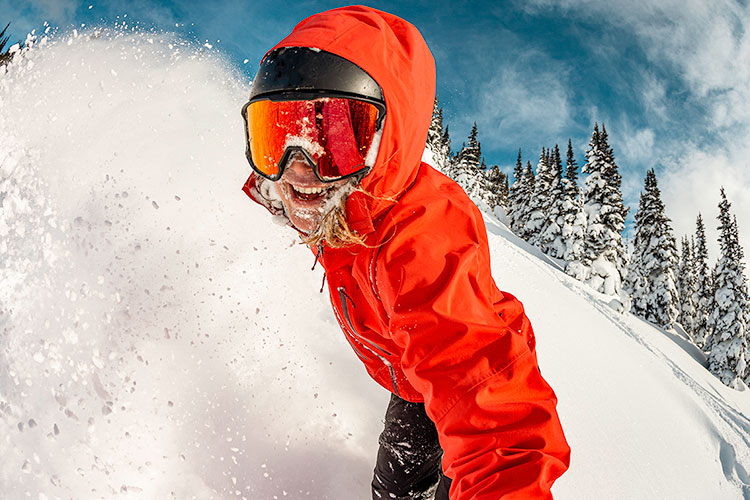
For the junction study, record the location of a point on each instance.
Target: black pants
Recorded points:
(408, 464)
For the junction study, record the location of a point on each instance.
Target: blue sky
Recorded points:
(670, 78)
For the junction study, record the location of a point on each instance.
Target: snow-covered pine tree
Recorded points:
(739, 255)
(435, 132)
(604, 251)
(446, 146)
(473, 152)
(540, 200)
(436, 140)
(728, 343)
(504, 192)
(452, 171)
(551, 240)
(574, 220)
(704, 292)
(687, 287)
(480, 189)
(740, 258)
(515, 196)
(524, 206)
(466, 167)
(571, 171)
(495, 188)
(651, 277)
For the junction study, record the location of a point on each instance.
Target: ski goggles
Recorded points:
(339, 137)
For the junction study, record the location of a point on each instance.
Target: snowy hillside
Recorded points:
(161, 337)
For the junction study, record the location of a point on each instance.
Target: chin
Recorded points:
(307, 223)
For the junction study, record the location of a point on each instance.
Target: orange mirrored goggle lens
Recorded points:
(335, 133)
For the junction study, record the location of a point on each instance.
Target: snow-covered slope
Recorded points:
(161, 338)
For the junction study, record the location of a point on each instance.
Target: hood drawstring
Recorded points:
(319, 256)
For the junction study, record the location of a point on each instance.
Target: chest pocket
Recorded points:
(359, 343)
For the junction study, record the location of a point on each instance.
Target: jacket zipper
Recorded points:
(349, 338)
(370, 346)
(319, 257)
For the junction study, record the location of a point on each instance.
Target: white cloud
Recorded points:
(691, 184)
(705, 43)
(633, 146)
(654, 96)
(515, 101)
(638, 146)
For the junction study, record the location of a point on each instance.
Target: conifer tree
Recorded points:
(704, 292)
(466, 167)
(516, 196)
(447, 143)
(551, 239)
(728, 343)
(574, 220)
(540, 201)
(437, 140)
(523, 206)
(470, 155)
(739, 252)
(740, 259)
(435, 132)
(479, 188)
(571, 172)
(604, 251)
(687, 286)
(453, 166)
(494, 191)
(505, 192)
(651, 277)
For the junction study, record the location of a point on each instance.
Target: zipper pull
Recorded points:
(342, 292)
(318, 255)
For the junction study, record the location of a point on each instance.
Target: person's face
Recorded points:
(303, 195)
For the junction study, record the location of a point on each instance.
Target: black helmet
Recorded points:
(292, 73)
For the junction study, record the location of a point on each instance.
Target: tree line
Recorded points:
(581, 227)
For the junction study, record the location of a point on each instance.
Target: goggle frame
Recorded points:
(291, 150)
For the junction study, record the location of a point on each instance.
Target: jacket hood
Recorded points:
(394, 53)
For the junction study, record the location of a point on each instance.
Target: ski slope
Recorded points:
(162, 337)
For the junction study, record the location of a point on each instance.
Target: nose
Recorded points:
(299, 164)
(299, 167)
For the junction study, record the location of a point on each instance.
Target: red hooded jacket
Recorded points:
(418, 304)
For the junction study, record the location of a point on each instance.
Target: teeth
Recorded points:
(310, 190)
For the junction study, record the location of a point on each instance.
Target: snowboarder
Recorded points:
(335, 126)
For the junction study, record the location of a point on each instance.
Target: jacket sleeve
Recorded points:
(469, 349)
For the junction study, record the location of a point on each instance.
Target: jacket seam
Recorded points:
(482, 382)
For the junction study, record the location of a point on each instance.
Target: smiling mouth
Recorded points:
(308, 194)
